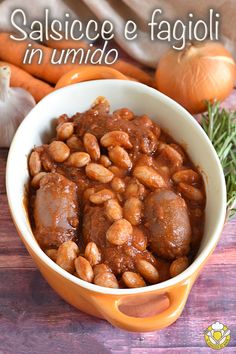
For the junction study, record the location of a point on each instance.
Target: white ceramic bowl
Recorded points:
(175, 120)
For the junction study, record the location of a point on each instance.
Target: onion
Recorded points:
(200, 72)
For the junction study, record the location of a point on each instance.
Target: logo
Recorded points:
(217, 335)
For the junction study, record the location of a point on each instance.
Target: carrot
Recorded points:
(123, 66)
(66, 44)
(20, 78)
(133, 71)
(13, 52)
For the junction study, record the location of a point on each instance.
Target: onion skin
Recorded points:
(199, 73)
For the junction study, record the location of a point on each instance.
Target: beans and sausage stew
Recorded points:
(114, 200)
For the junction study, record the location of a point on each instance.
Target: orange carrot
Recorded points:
(20, 78)
(66, 44)
(13, 52)
(123, 66)
(133, 71)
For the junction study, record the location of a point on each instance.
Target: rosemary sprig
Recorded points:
(220, 126)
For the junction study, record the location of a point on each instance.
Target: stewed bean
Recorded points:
(119, 232)
(52, 253)
(105, 161)
(135, 189)
(88, 192)
(79, 159)
(191, 192)
(133, 280)
(139, 239)
(36, 179)
(116, 138)
(113, 210)
(75, 143)
(59, 151)
(106, 279)
(148, 271)
(117, 171)
(149, 177)
(101, 196)
(66, 255)
(124, 113)
(178, 266)
(92, 253)
(118, 185)
(91, 146)
(101, 268)
(83, 269)
(98, 173)
(65, 131)
(120, 157)
(187, 176)
(133, 210)
(34, 163)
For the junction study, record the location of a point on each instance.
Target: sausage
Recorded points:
(168, 222)
(95, 224)
(55, 211)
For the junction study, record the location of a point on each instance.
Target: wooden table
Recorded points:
(33, 319)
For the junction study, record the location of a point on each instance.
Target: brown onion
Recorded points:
(198, 73)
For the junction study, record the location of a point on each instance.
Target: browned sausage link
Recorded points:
(133, 280)
(116, 138)
(84, 269)
(187, 176)
(55, 211)
(163, 210)
(91, 146)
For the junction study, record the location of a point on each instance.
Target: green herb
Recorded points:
(220, 126)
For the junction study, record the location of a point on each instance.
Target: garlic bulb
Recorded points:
(15, 103)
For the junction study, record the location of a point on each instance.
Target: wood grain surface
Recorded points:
(33, 319)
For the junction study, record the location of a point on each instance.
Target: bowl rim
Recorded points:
(34, 246)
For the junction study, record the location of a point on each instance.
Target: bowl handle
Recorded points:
(108, 306)
(89, 72)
